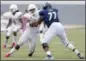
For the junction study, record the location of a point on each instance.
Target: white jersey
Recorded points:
(5, 19)
(31, 17)
(15, 24)
(16, 18)
(6, 15)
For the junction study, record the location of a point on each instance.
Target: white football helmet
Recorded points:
(13, 8)
(32, 7)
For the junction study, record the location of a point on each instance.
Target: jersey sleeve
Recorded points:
(21, 14)
(25, 17)
(6, 16)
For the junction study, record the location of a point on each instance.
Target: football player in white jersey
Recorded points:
(14, 24)
(30, 34)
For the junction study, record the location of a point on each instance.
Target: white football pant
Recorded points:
(56, 29)
(29, 35)
(12, 28)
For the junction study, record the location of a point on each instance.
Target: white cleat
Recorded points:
(80, 56)
(49, 58)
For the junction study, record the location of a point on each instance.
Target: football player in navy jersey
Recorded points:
(49, 16)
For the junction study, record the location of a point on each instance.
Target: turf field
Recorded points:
(75, 36)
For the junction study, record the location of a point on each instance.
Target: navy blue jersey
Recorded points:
(49, 16)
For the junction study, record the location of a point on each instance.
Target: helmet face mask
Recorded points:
(32, 8)
(13, 8)
(47, 6)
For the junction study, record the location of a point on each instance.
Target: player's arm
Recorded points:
(33, 24)
(39, 21)
(9, 23)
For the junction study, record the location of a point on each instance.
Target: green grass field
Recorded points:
(75, 36)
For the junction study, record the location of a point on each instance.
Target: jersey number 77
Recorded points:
(51, 15)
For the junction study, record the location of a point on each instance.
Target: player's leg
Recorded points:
(15, 31)
(41, 28)
(41, 34)
(50, 33)
(65, 41)
(32, 46)
(22, 40)
(14, 39)
(8, 33)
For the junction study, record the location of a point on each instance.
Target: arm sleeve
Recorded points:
(6, 16)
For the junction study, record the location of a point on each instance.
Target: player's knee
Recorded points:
(7, 37)
(41, 31)
(17, 47)
(66, 45)
(15, 33)
(44, 45)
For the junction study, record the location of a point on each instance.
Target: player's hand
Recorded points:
(33, 24)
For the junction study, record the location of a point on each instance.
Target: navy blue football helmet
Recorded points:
(47, 5)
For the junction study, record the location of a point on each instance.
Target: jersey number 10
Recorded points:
(51, 15)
